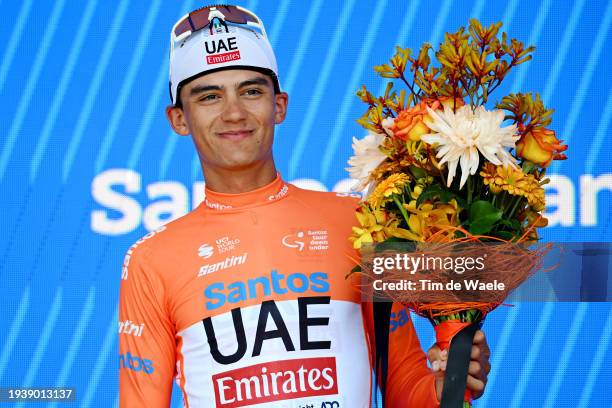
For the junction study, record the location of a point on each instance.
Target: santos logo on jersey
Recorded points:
(218, 293)
(135, 363)
(276, 381)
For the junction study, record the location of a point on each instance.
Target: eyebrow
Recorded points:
(198, 89)
(254, 81)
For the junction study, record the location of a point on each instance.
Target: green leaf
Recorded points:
(417, 172)
(513, 223)
(429, 193)
(436, 190)
(482, 217)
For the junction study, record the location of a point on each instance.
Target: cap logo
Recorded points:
(217, 46)
(220, 58)
(228, 48)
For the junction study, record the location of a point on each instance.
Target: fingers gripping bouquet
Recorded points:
(442, 163)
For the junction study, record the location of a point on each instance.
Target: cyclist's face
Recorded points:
(231, 116)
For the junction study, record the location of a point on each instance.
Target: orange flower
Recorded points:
(515, 182)
(448, 102)
(541, 147)
(384, 191)
(411, 124)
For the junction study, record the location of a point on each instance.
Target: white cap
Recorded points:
(210, 50)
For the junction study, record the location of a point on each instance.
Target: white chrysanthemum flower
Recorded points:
(367, 157)
(462, 134)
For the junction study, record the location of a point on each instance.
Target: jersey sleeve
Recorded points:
(410, 383)
(146, 337)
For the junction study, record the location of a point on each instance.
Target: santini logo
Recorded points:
(135, 363)
(206, 251)
(229, 262)
(131, 328)
(218, 293)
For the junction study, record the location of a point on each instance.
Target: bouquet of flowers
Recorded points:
(441, 164)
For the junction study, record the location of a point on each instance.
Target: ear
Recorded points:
(281, 101)
(176, 117)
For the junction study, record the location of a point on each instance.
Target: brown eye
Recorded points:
(252, 92)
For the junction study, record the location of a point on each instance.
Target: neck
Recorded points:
(236, 181)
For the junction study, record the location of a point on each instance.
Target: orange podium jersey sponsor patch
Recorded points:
(245, 302)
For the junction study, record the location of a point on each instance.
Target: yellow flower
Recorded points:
(541, 147)
(489, 175)
(515, 182)
(377, 226)
(429, 219)
(504, 178)
(361, 236)
(394, 184)
(535, 195)
(403, 233)
(372, 227)
(420, 185)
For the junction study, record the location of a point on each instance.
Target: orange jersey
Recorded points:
(244, 302)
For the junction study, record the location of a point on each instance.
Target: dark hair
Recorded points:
(265, 71)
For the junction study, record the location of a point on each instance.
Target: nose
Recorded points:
(233, 110)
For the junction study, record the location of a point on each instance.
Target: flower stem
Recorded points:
(504, 201)
(470, 186)
(515, 206)
(402, 209)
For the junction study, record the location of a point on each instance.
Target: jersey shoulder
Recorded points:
(337, 208)
(171, 237)
(328, 199)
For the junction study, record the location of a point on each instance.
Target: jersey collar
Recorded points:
(276, 190)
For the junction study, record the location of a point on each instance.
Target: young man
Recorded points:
(244, 300)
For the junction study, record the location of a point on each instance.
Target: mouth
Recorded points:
(235, 135)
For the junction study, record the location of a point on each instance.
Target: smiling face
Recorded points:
(231, 116)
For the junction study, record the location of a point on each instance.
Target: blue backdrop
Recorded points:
(88, 164)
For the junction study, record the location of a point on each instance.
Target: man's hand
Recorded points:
(477, 372)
